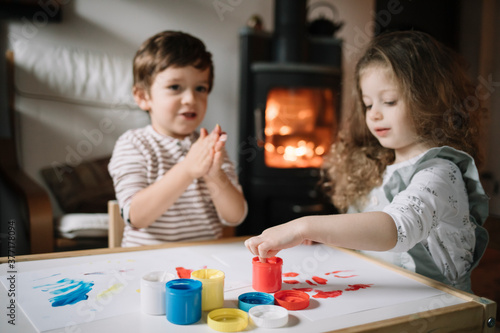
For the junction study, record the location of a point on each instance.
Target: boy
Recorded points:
(171, 183)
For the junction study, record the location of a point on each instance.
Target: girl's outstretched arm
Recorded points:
(373, 231)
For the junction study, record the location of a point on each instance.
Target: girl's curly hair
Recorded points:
(439, 96)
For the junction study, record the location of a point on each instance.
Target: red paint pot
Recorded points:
(266, 276)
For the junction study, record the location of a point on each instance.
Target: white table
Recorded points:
(447, 309)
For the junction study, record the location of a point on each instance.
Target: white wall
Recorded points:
(120, 26)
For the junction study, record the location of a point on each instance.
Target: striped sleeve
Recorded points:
(127, 168)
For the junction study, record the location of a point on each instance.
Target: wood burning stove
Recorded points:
(289, 110)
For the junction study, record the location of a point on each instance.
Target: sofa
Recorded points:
(68, 106)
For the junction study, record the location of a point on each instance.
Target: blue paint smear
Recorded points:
(68, 291)
(46, 277)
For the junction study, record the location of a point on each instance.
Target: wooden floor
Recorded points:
(486, 276)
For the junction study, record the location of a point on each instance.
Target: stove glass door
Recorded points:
(299, 126)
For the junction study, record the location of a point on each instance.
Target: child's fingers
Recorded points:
(219, 145)
(216, 131)
(206, 141)
(221, 142)
(218, 160)
(251, 245)
(257, 246)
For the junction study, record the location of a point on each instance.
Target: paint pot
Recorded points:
(153, 292)
(266, 276)
(183, 301)
(212, 294)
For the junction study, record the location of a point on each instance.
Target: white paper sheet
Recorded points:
(108, 285)
(362, 285)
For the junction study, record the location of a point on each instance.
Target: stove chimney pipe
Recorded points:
(290, 34)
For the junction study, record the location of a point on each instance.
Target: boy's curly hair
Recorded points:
(169, 48)
(439, 96)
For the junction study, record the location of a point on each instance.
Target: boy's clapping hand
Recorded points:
(206, 155)
(218, 151)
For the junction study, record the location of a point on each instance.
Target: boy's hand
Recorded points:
(206, 155)
(200, 157)
(218, 152)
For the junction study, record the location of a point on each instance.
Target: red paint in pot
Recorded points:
(266, 276)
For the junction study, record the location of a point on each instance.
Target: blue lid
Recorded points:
(249, 300)
(183, 286)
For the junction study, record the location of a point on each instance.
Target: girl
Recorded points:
(403, 166)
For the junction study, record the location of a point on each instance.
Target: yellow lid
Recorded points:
(207, 274)
(227, 320)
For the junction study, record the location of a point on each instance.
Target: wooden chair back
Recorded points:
(116, 225)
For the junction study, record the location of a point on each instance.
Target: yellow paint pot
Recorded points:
(212, 294)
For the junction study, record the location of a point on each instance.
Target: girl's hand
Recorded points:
(275, 239)
(308, 242)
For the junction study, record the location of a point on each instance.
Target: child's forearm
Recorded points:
(227, 199)
(150, 203)
(373, 231)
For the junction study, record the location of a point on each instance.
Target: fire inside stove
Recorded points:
(299, 126)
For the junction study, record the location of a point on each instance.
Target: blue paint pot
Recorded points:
(183, 301)
(249, 300)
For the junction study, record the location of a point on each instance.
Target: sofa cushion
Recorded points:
(72, 74)
(83, 226)
(71, 106)
(84, 188)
